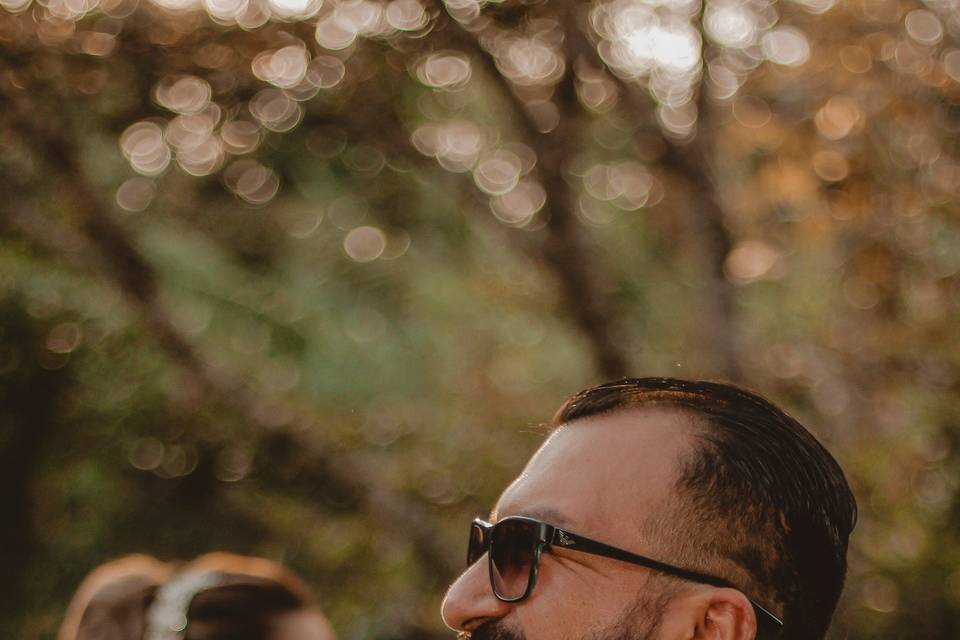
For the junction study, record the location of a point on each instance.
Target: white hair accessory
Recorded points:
(167, 616)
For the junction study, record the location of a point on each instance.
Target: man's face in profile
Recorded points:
(605, 477)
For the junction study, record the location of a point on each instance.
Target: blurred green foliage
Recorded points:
(316, 307)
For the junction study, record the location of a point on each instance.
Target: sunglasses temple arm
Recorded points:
(568, 540)
(766, 615)
(561, 538)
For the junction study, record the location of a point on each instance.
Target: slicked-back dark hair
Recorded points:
(759, 496)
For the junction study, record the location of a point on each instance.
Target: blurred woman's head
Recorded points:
(218, 596)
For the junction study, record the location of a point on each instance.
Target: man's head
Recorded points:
(699, 475)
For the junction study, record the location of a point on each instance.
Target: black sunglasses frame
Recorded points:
(549, 536)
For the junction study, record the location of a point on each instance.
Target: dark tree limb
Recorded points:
(31, 397)
(691, 163)
(561, 248)
(713, 242)
(113, 253)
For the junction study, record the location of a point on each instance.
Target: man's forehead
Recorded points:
(599, 468)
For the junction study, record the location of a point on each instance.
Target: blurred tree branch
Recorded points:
(562, 247)
(98, 237)
(31, 417)
(690, 162)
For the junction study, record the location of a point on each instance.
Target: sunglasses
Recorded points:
(514, 546)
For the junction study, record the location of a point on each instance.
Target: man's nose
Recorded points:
(470, 601)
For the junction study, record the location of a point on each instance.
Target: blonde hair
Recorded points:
(108, 597)
(134, 597)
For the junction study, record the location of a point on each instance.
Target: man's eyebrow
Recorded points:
(544, 514)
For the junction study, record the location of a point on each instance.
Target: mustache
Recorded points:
(489, 631)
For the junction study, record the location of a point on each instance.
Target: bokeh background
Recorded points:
(303, 278)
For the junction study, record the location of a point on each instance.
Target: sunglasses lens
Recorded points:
(512, 550)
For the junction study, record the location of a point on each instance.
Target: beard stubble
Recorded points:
(640, 621)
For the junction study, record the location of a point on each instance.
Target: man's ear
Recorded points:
(727, 615)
